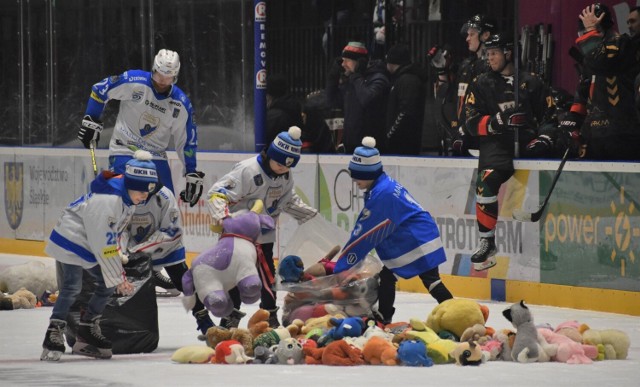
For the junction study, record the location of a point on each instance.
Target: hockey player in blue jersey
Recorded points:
(404, 235)
(152, 111)
(90, 235)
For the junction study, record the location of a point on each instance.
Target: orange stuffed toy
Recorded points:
(337, 353)
(380, 351)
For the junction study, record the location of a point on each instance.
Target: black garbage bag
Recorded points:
(129, 322)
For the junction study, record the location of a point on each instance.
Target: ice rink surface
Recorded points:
(22, 332)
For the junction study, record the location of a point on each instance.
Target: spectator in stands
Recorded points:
(405, 108)
(360, 87)
(633, 21)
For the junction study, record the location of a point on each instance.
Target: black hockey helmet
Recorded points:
(499, 40)
(481, 23)
(599, 9)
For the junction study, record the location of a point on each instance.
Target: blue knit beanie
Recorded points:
(140, 173)
(285, 149)
(365, 163)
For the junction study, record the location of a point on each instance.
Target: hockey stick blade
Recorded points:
(524, 216)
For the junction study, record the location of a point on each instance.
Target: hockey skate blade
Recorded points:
(488, 264)
(521, 215)
(48, 355)
(84, 349)
(162, 292)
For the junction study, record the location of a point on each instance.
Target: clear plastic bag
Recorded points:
(350, 293)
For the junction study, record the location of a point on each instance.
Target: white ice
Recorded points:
(22, 332)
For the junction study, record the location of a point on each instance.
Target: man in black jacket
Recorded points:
(360, 88)
(283, 109)
(405, 108)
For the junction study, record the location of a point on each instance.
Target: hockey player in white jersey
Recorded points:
(156, 231)
(266, 177)
(90, 235)
(152, 111)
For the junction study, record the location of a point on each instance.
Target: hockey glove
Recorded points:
(540, 147)
(193, 190)
(440, 59)
(510, 119)
(89, 131)
(572, 122)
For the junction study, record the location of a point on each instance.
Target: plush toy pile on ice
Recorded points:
(351, 341)
(230, 263)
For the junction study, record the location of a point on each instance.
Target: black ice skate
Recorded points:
(232, 320)
(273, 318)
(53, 345)
(204, 323)
(90, 342)
(484, 256)
(164, 286)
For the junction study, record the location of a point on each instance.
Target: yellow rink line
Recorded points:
(604, 300)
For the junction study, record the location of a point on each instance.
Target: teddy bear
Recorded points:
(37, 276)
(264, 355)
(342, 327)
(438, 349)
(228, 264)
(378, 351)
(21, 299)
(568, 350)
(483, 336)
(288, 351)
(468, 353)
(216, 335)
(258, 323)
(231, 352)
(413, 353)
(455, 315)
(529, 346)
(613, 342)
(337, 353)
(193, 354)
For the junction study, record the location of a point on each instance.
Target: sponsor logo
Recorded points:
(13, 193)
(134, 79)
(114, 78)
(155, 106)
(178, 104)
(176, 112)
(352, 258)
(257, 180)
(137, 95)
(365, 214)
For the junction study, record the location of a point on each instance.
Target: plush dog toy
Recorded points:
(468, 353)
(21, 299)
(528, 346)
(230, 263)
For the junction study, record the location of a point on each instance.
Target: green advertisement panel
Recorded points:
(590, 235)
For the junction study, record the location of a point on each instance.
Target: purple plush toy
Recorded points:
(230, 263)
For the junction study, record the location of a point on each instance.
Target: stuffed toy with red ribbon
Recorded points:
(235, 261)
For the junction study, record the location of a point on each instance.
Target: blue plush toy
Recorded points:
(342, 327)
(413, 353)
(291, 269)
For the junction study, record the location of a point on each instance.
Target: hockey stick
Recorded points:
(523, 216)
(92, 149)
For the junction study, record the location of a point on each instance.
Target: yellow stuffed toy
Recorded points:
(191, 354)
(455, 315)
(613, 342)
(438, 349)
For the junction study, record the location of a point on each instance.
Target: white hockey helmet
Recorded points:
(167, 63)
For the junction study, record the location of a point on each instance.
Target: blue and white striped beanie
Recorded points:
(140, 173)
(365, 163)
(286, 148)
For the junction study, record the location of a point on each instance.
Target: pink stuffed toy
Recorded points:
(232, 262)
(568, 350)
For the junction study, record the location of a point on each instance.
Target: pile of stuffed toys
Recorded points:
(454, 332)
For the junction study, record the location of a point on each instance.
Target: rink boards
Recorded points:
(583, 253)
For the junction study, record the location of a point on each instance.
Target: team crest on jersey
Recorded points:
(176, 112)
(114, 78)
(257, 180)
(357, 229)
(137, 95)
(352, 258)
(111, 222)
(365, 214)
(148, 124)
(174, 215)
(140, 225)
(13, 193)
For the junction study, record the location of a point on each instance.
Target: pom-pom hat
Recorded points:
(365, 163)
(399, 55)
(140, 173)
(285, 148)
(354, 50)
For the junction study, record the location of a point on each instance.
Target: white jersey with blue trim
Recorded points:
(147, 120)
(89, 233)
(404, 235)
(247, 182)
(156, 230)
